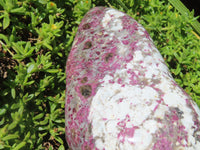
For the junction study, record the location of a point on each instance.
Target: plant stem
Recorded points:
(6, 48)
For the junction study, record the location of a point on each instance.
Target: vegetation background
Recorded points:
(35, 39)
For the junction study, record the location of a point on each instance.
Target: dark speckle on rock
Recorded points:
(84, 80)
(88, 45)
(108, 57)
(86, 26)
(86, 90)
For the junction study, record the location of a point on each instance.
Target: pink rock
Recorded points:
(120, 94)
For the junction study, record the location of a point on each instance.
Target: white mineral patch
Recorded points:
(160, 111)
(191, 141)
(111, 35)
(116, 23)
(123, 75)
(172, 99)
(152, 71)
(138, 56)
(106, 79)
(187, 120)
(141, 30)
(142, 139)
(122, 49)
(111, 105)
(151, 126)
(196, 108)
(197, 146)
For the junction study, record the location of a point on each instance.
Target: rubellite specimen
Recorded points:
(120, 94)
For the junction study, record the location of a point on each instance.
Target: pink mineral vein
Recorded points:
(120, 94)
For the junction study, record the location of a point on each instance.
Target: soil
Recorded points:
(51, 142)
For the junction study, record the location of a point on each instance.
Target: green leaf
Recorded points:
(52, 70)
(51, 20)
(47, 45)
(15, 106)
(43, 1)
(20, 10)
(12, 125)
(51, 148)
(60, 54)
(59, 121)
(27, 135)
(21, 110)
(13, 93)
(2, 111)
(59, 139)
(29, 83)
(30, 68)
(39, 116)
(1, 146)
(2, 121)
(9, 137)
(3, 4)
(61, 147)
(27, 97)
(18, 47)
(5, 38)
(42, 128)
(20, 145)
(13, 36)
(196, 89)
(45, 121)
(53, 107)
(10, 4)
(18, 56)
(6, 20)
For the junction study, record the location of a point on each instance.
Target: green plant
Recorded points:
(185, 12)
(10, 7)
(32, 90)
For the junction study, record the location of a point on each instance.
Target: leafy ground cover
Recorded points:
(35, 39)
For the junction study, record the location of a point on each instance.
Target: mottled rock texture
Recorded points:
(120, 94)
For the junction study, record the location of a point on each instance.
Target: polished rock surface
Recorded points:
(120, 94)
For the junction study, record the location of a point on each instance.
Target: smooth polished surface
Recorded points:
(120, 94)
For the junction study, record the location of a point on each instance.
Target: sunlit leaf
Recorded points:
(6, 20)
